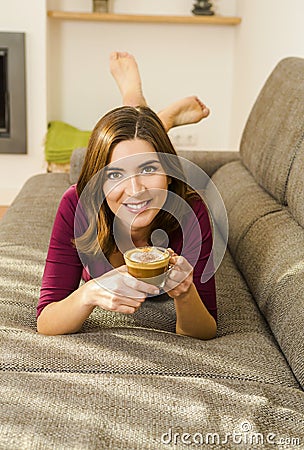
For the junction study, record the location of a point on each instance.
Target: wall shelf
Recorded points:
(138, 18)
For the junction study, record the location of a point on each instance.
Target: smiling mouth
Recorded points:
(137, 207)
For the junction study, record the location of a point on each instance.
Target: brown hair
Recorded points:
(120, 124)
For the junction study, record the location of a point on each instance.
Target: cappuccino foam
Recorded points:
(147, 255)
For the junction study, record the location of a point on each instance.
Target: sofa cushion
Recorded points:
(114, 411)
(274, 129)
(268, 247)
(129, 379)
(271, 256)
(24, 240)
(244, 349)
(209, 161)
(295, 186)
(244, 199)
(29, 220)
(91, 411)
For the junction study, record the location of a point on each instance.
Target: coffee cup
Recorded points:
(148, 264)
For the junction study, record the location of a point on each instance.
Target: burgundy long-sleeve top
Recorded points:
(65, 267)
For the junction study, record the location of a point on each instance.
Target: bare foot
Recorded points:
(183, 112)
(126, 74)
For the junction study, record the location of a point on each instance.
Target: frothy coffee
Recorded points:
(147, 255)
(148, 263)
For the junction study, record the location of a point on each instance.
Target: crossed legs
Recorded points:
(125, 71)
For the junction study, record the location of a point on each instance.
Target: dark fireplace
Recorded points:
(12, 94)
(4, 104)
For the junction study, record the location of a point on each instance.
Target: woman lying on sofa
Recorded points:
(131, 169)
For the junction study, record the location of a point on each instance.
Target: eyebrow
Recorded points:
(114, 168)
(152, 161)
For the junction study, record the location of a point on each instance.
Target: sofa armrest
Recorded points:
(209, 161)
(76, 162)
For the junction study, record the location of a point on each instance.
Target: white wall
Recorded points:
(175, 61)
(29, 17)
(270, 30)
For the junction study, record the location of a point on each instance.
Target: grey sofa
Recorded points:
(129, 382)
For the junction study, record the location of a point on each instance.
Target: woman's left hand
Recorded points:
(180, 276)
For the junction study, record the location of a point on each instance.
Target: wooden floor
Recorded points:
(2, 211)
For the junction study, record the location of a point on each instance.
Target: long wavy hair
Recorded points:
(123, 124)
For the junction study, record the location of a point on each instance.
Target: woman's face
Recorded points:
(135, 183)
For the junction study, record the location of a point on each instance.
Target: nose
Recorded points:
(134, 185)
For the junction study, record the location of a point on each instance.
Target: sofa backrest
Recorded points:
(274, 131)
(268, 208)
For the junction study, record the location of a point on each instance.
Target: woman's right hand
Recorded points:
(117, 291)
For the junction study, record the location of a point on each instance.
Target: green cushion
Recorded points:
(61, 140)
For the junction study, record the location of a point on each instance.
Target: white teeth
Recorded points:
(137, 206)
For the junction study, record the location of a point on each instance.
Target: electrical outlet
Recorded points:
(183, 139)
(175, 139)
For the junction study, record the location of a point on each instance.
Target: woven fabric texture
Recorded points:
(268, 247)
(30, 218)
(245, 201)
(106, 335)
(271, 255)
(295, 186)
(275, 128)
(130, 379)
(143, 412)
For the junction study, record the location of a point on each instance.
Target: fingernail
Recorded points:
(156, 291)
